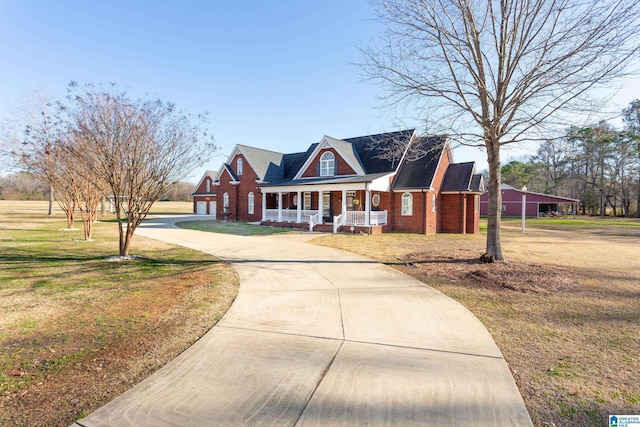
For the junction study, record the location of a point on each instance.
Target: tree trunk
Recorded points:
(494, 246)
(638, 201)
(51, 200)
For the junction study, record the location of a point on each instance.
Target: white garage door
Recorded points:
(212, 209)
(201, 208)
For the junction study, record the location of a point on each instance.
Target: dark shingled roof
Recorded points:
(368, 148)
(229, 170)
(462, 177)
(418, 172)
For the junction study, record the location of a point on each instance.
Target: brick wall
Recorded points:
(417, 221)
(473, 215)
(453, 213)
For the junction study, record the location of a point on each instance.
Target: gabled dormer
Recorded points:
(332, 157)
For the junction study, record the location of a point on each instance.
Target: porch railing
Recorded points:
(378, 217)
(314, 219)
(289, 215)
(360, 218)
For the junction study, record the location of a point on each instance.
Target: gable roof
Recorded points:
(419, 171)
(364, 153)
(462, 177)
(210, 174)
(260, 160)
(230, 171)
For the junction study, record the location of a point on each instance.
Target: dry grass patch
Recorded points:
(76, 330)
(565, 310)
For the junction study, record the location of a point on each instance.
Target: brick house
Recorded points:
(394, 181)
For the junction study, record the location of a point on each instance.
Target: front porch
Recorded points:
(330, 211)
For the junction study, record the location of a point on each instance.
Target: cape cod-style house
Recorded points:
(396, 181)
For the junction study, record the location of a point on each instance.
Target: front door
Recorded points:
(327, 208)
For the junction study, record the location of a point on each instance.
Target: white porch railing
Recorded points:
(314, 219)
(355, 218)
(289, 215)
(378, 217)
(337, 222)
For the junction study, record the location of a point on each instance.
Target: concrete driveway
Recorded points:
(322, 337)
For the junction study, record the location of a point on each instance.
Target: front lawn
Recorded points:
(77, 330)
(240, 228)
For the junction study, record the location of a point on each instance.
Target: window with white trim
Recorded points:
(307, 201)
(433, 202)
(239, 166)
(327, 164)
(251, 204)
(477, 203)
(375, 200)
(225, 200)
(208, 186)
(407, 204)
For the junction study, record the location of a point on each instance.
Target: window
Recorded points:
(307, 201)
(407, 204)
(433, 202)
(477, 203)
(239, 167)
(225, 200)
(327, 164)
(295, 200)
(208, 186)
(351, 200)
(250, 206)
(375, 200)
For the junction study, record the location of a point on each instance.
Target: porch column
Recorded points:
(264, 206)
(344, 207)
(299, 206)
(279, 206)
(367, 207)
(320, 206)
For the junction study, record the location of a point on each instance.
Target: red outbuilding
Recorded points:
(537, 204)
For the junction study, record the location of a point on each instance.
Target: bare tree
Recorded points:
(137, 147)
(631, 116)
(492, 72)
(31, 138)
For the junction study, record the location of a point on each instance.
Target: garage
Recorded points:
(201, 208)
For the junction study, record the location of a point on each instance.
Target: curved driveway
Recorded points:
(318, 336)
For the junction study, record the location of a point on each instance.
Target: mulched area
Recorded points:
(511, 275)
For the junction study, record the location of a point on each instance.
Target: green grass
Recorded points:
(234, 227)
(571, 223)
(42, 267)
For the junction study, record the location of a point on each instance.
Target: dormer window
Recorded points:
(327, 164)
(239, 167)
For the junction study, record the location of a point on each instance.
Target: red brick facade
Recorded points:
(238, 193)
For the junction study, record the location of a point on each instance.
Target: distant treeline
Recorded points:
(24, 186)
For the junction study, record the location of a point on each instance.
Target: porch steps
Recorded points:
(323, 228)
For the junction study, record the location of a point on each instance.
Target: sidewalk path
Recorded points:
(322, 337)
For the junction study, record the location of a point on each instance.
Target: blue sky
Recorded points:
(272, 74)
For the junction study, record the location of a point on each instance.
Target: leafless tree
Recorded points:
(30, 137)
(493, 72)
(137, 147)
(631, 116)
